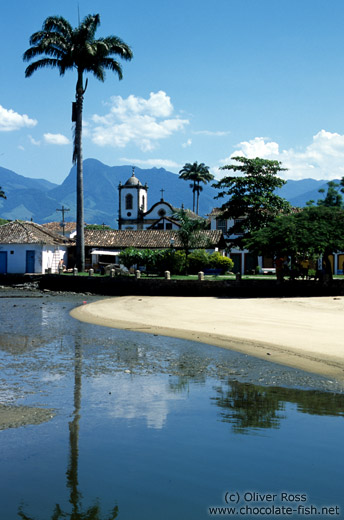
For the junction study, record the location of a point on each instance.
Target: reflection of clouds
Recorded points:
(49, 377)
(134, 397)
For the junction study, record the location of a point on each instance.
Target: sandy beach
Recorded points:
(305, 333)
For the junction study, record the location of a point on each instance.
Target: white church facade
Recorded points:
(133, 208)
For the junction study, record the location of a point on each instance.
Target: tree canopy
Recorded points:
(252, 201)
(333, 197)
(312, 231)
(197, 173)
(188, 231)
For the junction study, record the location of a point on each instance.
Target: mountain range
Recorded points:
(39, 199)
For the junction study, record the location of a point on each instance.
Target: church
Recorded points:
(133, 208)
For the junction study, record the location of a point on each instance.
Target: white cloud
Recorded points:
(58, 139)
(10, 120)
(34, 141)
(188, 143)
(322, 159)
(137, 120)
(157, 163)
(257, 147)
(209, 132)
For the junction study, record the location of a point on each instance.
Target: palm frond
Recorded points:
(117, 46)
(88, 27)
(58, 24)
(113, 65)
(40, 64)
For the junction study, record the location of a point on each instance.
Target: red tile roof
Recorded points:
(149, 238)
(18, 232)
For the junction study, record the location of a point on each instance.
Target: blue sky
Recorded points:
(209, 80)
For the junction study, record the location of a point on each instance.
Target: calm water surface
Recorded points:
(147, 427)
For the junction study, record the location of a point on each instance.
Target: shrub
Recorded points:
(129, 257)
(178, 264)
(217, 261)
(198, 260)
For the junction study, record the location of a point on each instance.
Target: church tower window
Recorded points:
(129, 201)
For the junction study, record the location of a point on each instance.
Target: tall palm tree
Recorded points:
(64, 47)
(196, 173)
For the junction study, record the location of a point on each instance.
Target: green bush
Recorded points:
(198, 260)
(217, 261)
(129, 257)
(178, 262)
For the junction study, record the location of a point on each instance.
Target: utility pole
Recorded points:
(62, 224)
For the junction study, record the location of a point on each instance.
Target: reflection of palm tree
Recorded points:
(93, 512)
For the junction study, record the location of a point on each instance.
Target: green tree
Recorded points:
(252, 201)
(189, 232)
(129, 257)
(333, 197)
(196, 173)
(66, 48)
(314, 231)
(198, 260)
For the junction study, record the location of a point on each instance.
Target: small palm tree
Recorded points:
(66, 48)
(197, 173)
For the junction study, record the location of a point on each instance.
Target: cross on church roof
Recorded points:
(162, 193)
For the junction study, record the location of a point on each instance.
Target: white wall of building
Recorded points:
(157, 210)
(45, 257)
(139, 201)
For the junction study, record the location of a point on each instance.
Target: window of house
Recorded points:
(161, 212)
(168, 225)
(129, 201)
(237, 222)
(221, 225)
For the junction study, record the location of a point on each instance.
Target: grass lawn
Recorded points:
(195, 277)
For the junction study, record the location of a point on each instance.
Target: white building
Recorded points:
(133, 212)
(26, 247)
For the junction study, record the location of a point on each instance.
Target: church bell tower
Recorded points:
(132, 203)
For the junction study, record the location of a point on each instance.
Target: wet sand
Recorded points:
(304, 333)
(15, 416)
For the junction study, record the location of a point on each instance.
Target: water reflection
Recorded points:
(250, 407)
(75, 496)
(158, 425)
(133, 397)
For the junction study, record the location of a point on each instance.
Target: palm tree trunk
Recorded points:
(197, 197)
(193, 196)
(80, 241)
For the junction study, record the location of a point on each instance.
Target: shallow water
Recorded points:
(147, 427)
